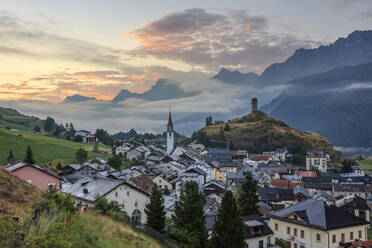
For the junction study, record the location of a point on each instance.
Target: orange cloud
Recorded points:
(248, 26)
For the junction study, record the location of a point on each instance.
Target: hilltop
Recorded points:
(258, 132)
(11, 118)
(45, 149)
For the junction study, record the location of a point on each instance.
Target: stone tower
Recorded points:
(254, 104)
(170, 134)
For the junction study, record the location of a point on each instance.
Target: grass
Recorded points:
(11, 118)
(45, 149)
(93, 230)
(366, 163)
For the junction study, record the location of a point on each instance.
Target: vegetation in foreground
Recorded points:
(45, 149)
(30, 218)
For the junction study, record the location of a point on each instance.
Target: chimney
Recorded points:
(254, 104)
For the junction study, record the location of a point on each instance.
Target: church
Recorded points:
(170, 134)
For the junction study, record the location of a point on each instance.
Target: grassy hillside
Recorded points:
(258, 132)
(88, 229)
(366, 163)
(13, 119)
(45, 149)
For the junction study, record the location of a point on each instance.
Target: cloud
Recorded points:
(345, 4)
(232, 39)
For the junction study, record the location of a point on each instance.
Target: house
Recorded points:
(282, 183)
(278, 154)
(87, 136)
(138, 153)
(350, 189)
(234, 178)
(323, 196)
(314, 187)
(218, 154)
(306, 173)
(162, 182)
(239, 155)
(214, 187)
(261, 158)
(258, 234)
(131, 197)
(312, 223)
(300, 193)
(123, 149)
(34, 174)
(357, 169)
(202, 175)
(355, 205)
(317, 160)
(275, 195)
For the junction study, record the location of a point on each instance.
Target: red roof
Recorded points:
(306, 173)
(281, 183)
(260, 157)
(365, 244)
(143, 183)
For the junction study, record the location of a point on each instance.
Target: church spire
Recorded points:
(170, 122)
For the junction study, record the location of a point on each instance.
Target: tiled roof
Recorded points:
(349, 187)
(275, 194)
(142, 182)
(260, 157)
(306, 173)
(14, 167)
(256, 220)
(317, 214)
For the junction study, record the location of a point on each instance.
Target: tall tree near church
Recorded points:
(10, 157)
(228, 230)
(155, 210)
(247, 196)
(189, 219)
(29, 158)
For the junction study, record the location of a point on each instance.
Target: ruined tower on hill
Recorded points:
(254, 104)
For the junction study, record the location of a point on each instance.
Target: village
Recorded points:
(297, 205)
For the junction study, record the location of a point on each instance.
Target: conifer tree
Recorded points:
(29, 157)
(155, 210)
(189, 219)
(247, 196)
(10, 157)
(228, 230)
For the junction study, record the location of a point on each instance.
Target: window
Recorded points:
(360, 234)
(295, 232)
(302, 246)
(343, 237)
(334, 238)
(295, 245)
(318, 237)
(116, 194)
(51, 185)
(302, 234)
(260, 244)
(127, 193)
(351, 235)
(276, 227)
(288, 230)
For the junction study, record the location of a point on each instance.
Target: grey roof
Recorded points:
(298, 189)
(349, 188)
(325, 195)
(197, 170)
(317, 214)
(89, 188)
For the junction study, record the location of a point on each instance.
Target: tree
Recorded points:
(227, 127)
(208, 121)
(49, 124)
(29, 157)
(10, 158)
(37, 129)
(231, 145)
(81, 155)
(247, 196)
(115, 161)
(155, 210)
(189, 219)
(347, 164)
(78, 138)
(228, 230)
(59, 166)
(104, 137)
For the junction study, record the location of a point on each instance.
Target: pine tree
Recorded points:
(81, 155)
(29, 159)
(247, 196)
(10, 157)
(155, 210)
(189, 219)
(228, 230)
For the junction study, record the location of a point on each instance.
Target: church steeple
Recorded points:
(170, 135)
(170, 122)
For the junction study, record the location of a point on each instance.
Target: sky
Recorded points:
(52, 49)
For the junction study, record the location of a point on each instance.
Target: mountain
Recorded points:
(10, 118)
(258, 132)
(336, 104)
(162, 90)
(355, 49)
(78, 98)
(235, 77)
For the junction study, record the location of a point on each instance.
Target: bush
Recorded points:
(111, 209)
